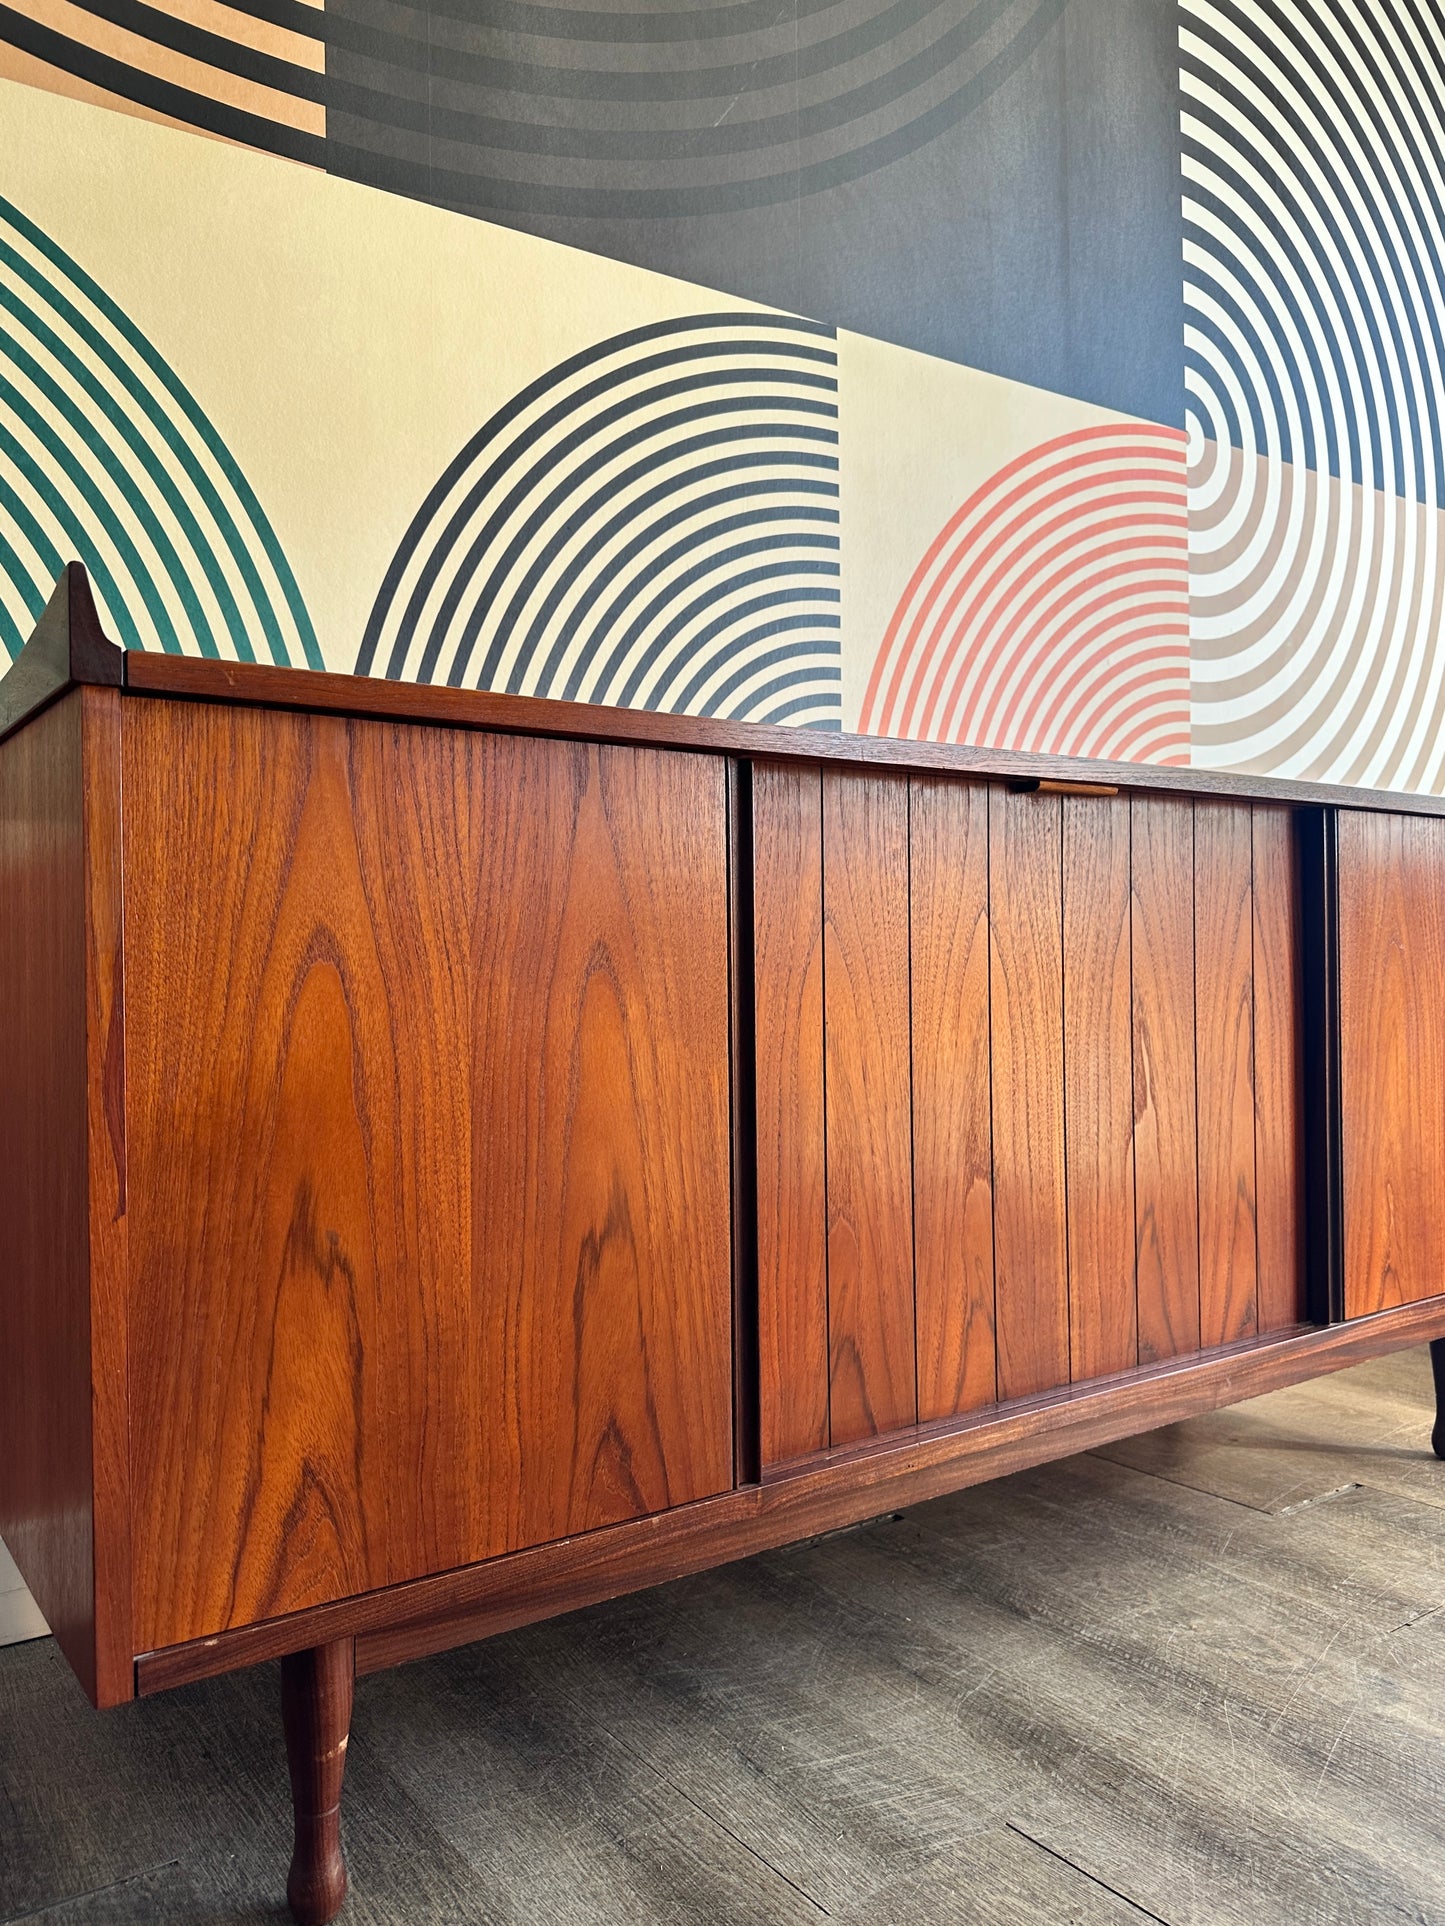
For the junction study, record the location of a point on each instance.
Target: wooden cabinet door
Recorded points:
(1392, 1057)
(1028, 1091)
(427, 1095)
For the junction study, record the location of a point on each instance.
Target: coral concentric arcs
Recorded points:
(1052, 611)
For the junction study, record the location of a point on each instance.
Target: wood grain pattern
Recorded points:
(264, 1172)
(1099, 1087)
(1166, 1180)
(1224, 1068)
(430, 1182)
(322, 693)
(838, 1489)
(64, 1464)
(1392, 1058)
(1278, 1163)
(46, 1440)
(1026, 974)
(791, 1180)
(867, 1056)
(952, 1121)
(601, 1241)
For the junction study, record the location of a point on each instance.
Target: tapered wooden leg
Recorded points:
(316, 1689)
(1437, 1365)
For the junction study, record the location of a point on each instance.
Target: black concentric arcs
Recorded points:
(653, 524)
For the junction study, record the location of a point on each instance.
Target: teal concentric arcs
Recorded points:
(106, 457)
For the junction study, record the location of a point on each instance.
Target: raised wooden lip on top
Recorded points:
(68, 648)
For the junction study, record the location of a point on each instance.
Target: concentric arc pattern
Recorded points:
(1051, 611)
(653, 524)
(252, 73)
(628, 113)
(105, 456)
(1314, 163)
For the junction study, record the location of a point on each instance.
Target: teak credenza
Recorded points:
(462, 1158)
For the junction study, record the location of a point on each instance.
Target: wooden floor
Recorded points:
(1196, 1678)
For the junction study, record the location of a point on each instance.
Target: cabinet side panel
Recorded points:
(1279, 1174)
(792, 1195)
(1224, 1058)
(45, 1377)
(1166, 1175)
(869, 1115)
(102, 721)
(952, 1126)
(1031, 1291)
(1099, 1087)
(1392, 1057)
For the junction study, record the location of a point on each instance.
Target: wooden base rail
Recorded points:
(464, 1158)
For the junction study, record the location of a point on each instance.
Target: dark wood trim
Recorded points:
(263, 685)
(47, 1414)
(67, 648)
(1316, 833)
(102, 803)
(834, 1489)
(747, 1423)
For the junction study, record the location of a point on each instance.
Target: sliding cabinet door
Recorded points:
(1392, 1057)
(430, 1170)
(1028, 1091)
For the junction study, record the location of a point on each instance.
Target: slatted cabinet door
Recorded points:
(1224, 1026)
(1074, 1020)
(792, 1195)
(952, 1096)
(873, 1375)
(427, 1097)
(1099, 1087)
(1026, 992)
(1166, 1145)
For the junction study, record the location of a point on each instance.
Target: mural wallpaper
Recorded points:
(1059, 374)
(103, 451)
(1053, 606)
(654, 524)
(1315, 364)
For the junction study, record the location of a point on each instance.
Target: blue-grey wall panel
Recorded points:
(994, 181)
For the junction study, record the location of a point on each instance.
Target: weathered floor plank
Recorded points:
(999, 1876)
(1214, 1750)
(1196, 1679)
